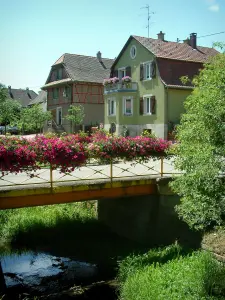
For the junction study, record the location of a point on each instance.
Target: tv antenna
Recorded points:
(149, 15)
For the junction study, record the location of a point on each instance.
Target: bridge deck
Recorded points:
(69, 192)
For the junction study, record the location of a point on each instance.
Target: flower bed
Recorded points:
(72, 151)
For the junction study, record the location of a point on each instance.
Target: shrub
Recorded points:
(198, 276)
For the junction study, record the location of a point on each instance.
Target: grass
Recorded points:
(192, 277)
(70, 230)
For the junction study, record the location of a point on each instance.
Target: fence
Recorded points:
(94, 171)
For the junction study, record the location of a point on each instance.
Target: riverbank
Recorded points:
(70, 231)
(63, 252)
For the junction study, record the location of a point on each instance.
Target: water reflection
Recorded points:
(38, 270)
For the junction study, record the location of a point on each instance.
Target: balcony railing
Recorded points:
(121, 87)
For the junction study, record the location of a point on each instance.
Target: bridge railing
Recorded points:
(94, 171)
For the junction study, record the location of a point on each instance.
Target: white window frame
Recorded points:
(124, 105)
(146, 65)
(109, 107)
(123, 69)
(133, 48)
(145, 97)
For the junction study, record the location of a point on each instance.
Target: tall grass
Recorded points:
(16, 222)
(194, 277)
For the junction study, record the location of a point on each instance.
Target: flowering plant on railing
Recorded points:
(128, 149)
(126, 79)
(17, 155)
(112, 80)
(106, 81)
(65, 155)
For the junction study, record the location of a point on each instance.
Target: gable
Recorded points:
(124, 59)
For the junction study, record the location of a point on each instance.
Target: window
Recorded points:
(128, 106)
(121, 73)
(59, 74)
(147, 71)
(55, 93)
(149, 105)
(133, 52)
(111, 107)
(66, 92)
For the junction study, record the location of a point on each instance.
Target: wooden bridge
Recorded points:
(92, 182)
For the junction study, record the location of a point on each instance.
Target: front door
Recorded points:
(59, 116)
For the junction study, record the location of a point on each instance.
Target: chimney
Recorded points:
(99, 56)
(193, 40)
(28, 92)
(10, 91)
(161, 36)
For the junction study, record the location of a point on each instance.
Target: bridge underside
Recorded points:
(24, 197)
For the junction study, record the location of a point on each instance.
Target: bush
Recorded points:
(194, 277)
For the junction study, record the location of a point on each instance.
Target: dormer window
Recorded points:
(59, 74)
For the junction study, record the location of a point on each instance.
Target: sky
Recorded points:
(35, 33)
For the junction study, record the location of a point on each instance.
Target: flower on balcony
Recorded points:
(106, 81)
(114, 79)
(126, 79)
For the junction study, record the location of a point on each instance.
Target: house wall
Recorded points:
(89, 95)
(175, 104)
(136, 123)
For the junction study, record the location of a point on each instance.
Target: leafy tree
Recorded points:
(9, 109)
(33, 118)
(75, 115)
(201, 149)
(3, 93)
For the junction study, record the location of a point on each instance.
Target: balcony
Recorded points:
(120, 87)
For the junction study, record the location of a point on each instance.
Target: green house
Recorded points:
(144, 90)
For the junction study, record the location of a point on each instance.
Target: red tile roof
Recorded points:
(174, 50)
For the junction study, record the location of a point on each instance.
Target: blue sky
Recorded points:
(35, 33)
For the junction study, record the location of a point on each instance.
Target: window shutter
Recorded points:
(128, 71)
(141, 106)
(115, 73)
(141, 71)
(153, 69)
(153, 105)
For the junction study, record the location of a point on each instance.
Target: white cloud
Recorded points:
(214, 7)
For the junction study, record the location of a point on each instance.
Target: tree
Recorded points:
(33, 118)
(3, 93)
(201, 149)
(75, 115)
(9, 109)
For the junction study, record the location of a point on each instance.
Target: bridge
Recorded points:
(92, 181)
(134, 200)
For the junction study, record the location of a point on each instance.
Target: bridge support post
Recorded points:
(51, 177)
(161, 166)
